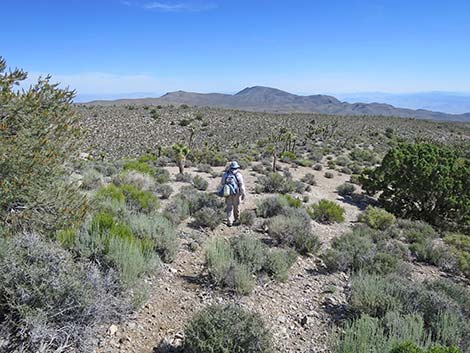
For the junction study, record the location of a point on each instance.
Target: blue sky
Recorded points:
(109, 48)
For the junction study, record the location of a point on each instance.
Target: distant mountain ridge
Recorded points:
(260, 98)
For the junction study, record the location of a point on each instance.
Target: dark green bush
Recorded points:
(164, 190)
(278, 262)
(249, 251)
(460, 247)
(326, 211)
(38, 134)
(177, 210)
(228, 328)
(329, 175)
(423, 181)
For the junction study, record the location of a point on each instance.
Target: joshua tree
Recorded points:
(181, 151)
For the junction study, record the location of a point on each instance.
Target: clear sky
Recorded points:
(114, 47)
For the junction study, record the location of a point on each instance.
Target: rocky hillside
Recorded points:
(274, 100)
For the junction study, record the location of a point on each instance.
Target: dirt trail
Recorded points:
(299, 311)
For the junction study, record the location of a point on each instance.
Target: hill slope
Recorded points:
(274, 100)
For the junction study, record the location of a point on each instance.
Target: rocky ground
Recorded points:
(300, 312)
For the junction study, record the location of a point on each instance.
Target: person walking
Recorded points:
(233, 188)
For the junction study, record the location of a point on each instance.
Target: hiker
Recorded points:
(233, 189)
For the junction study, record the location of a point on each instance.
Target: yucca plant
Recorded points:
(181, 151)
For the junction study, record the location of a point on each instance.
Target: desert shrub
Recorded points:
(460, 246)
(352, 251)
(50, 302)
(208, 217)
(160, 231)
(227, 328)
(111, 192)
(140, 199)
(309, 179)
(355, 179)
(177, 210)
(434, 253)
(38, 134)
(327, 212)
(200, 183)
(219, 259)
(345, 170)
(249, 251)
(199, 200)
(275, 183)
(147, 157)
(304, 162)
(164, 191)
(443, 316)
(138, 166)
(278, 262)
(318, 167)
(292, 201)
(346, 189)
(139, 180)
(270, 206)
(409, 347)
(240, 278)
(184, 178)
(329, 175)
(368, 334)
(377, 218)
(342, 161)
(204, 168)
(416, 231)
(436, 188)
(294, 229)
(161, 175)
(331, 164)
(92, 179)
(247, 217)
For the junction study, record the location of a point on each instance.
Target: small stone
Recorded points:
(112, 330)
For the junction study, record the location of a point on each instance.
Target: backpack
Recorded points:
(231, 184)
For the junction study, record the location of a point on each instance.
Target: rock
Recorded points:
(112, 330)
(304, 321)
(84, 156)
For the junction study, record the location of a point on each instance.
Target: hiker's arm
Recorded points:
(241, 184)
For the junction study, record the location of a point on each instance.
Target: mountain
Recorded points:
(274, 100)
(447, 102)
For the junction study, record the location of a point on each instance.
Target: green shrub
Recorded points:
(240, 278)
(294, 229)
(460, 246)
(92, 179)
(208, 217)
(112, 192)
(346, 189)
(416, 231)
(275, 183)
(304, 162)
(138, 166)
(278, 262)
(249, 251)
(318, 167)
(141, 200)
(164, 190)
(159, 231)
(327, 212)
(436, 188)
(39, 133)
(271, 206)
(184, 178)
(136, 179)
(309, 179)
(350, 251)
(434, 253)
(377, 218)
(161, 175)
(292, 201)
(329, 175)
(222, 329)
(200, 183)
(247, 217)
(219, 259)
(49, 301)
(177, 210)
